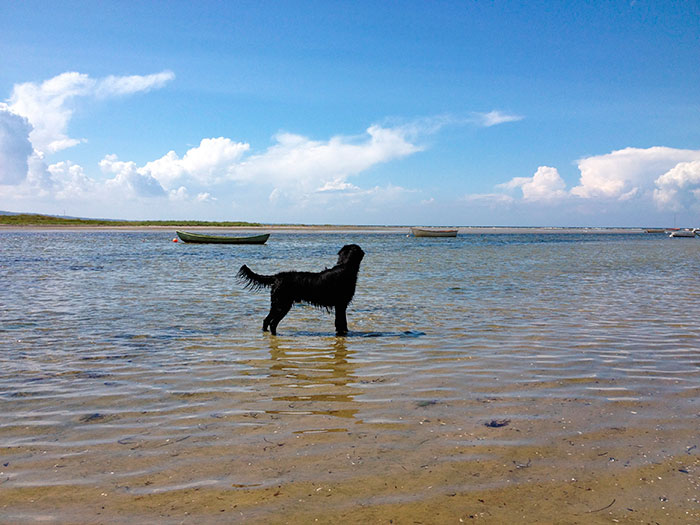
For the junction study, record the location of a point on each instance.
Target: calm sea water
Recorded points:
(136, 366)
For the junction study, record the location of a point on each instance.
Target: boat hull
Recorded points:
(423, 232)
(199, 238)
(683, 233)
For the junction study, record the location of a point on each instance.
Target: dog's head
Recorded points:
(350, 254)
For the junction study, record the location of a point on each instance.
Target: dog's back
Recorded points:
(328, 288)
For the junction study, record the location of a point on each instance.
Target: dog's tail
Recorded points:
(252, 280)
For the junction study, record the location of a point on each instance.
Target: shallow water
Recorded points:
(487, 376)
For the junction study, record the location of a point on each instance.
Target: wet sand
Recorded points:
(431, 468)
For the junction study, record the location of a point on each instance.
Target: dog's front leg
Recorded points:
(341, 322)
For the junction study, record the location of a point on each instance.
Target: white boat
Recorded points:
(684, 233)
(433, 232)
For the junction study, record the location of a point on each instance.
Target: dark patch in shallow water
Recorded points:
(497, 423)
(85, 267)
(406, 334)
(89, 418)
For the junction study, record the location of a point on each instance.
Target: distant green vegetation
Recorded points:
(26, 219)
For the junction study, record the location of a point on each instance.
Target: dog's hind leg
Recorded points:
(341, 322)
(277, 312)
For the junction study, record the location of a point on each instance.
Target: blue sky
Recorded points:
(443, 113)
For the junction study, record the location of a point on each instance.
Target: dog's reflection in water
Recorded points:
(313, 379)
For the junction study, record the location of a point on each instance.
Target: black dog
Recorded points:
(331, 288)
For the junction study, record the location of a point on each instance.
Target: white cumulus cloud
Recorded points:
(295, 171)
(48, 105)
(666, 177)
(205, 197)
(679, 187)
(207, 163)
(294, 164)
(627, 172)
(15, 147)
(545, 185)
(129, 179)
(70, 181)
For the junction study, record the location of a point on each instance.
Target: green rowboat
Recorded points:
(432, 232)
(221, 239)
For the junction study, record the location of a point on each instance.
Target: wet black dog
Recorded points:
(331, 288)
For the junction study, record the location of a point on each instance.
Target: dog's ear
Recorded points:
(342, 255)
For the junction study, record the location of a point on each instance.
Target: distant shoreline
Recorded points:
(38, 222)
(463, 230)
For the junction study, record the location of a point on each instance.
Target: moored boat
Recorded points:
(434, 232)
(684, 233)
(221, 239)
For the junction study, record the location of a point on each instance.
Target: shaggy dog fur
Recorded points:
(331, 288)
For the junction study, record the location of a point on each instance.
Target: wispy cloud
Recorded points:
(112, 86)
(421, 127)
(492, 199)
(495, 117)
